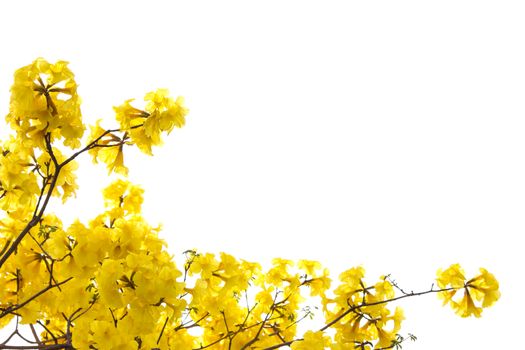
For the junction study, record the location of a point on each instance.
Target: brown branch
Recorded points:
(283, 344)
(37, 347)
(194, 324)
(162, 330)
(33, 297)
(357, 307)
(33, 331)
(243, 324)
(36, 218)
(48, 331)
(228, 332)
(37, 215)
(263, 323)
(93, 144)
(7, 243)
(42, 191)
(212, 343)
(9, 251)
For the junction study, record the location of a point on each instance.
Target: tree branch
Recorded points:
(33, 297)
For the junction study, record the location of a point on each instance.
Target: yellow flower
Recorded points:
(483, 288)
(108, 149)
(162, 114)
(122, 193)
(312, 341)
(171, 113)
(453, 276)
(205, 265)
(129, 116)
(384, 290)
(58, 245)
(466, 306)
(319, 285)
(66, 182)
(352, 280)
(279, 272)
(44, 100)
(311, 267)
(18, 182)
(107, 277)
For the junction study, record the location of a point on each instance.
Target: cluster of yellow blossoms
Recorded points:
(44, 101)
(483, 289)
(111, 284)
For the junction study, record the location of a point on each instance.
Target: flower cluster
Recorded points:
(44, 103)
(162, 114)
(142, 128)
(467, 297)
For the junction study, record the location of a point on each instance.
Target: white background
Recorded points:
(383, 133)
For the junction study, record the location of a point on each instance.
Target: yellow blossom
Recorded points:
(44, 101)
(462, 294)
(312, 341)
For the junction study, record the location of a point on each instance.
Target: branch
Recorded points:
(162, 330)
(36, 218)
(93, 143)
(33, 297)
(37, 339)
(194, 324)
(356, 307)
(37, 347)
(263, 323)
